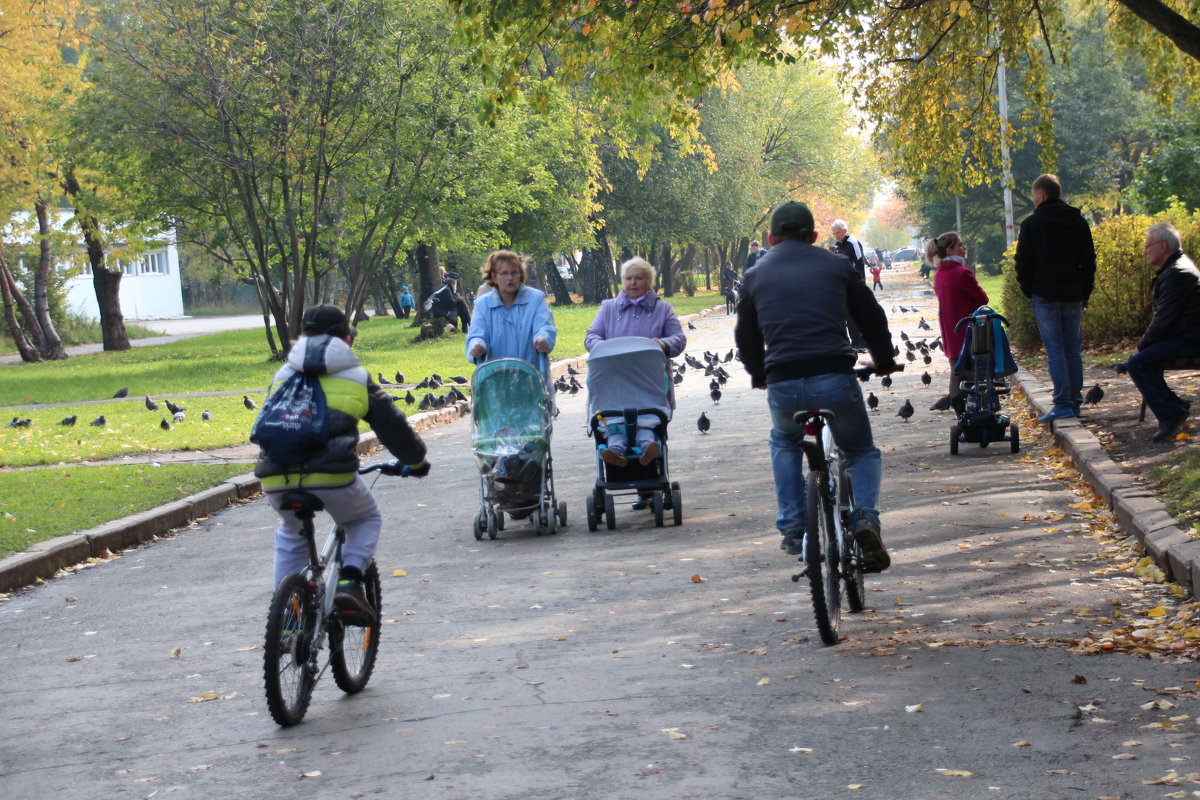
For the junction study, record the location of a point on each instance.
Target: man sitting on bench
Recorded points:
(1174, 331)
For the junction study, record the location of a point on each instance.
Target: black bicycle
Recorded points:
(831, 557)
(303, 618)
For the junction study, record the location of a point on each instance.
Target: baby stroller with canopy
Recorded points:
(628, 387)
(512, 416)
(986, 359)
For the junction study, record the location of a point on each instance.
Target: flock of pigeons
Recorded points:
(176, 411)
(430, 401)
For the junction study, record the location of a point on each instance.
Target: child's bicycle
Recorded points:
(830, 554)
(303, 617)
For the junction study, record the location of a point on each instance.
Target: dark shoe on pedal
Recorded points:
(865, 525)
(351, 603)
(793, 543)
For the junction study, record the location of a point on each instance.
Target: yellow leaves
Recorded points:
(697, 579)
(960, 7)
(763, 682)
(1157, 611)
(673, 734)
(399, 573)
(915, 709)
(954, 773)
(1149, 572)
(204, 697)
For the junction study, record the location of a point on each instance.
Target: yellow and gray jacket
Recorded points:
(349, 396)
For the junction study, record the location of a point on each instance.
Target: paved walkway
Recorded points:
(635, 663)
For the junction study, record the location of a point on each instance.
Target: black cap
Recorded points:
(326, 319)
(451, 276)
(792, 219)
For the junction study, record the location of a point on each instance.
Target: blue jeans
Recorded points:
(1061, 327)
(851, 428)
(1147, 375)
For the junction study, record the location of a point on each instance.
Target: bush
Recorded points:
(687, 282)
(1120, 302)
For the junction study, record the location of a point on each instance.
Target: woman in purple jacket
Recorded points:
(637, 311)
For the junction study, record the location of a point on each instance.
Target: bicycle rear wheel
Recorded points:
(288, 676)
(353, 648)
(852, 560)
(821, 556)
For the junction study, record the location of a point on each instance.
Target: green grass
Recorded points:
(45, 503)
(1179, 486)
(994, 286)
(239, 361)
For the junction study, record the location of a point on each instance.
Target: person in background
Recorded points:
(407, 303)
(514, 320)
(637, 311)
(756, 252)
(1056, 269)
(1174, 330)
(959, 295)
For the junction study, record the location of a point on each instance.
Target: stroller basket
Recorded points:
(985, 362)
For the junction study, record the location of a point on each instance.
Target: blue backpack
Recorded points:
(290, 427)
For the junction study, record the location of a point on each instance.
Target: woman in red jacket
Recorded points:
(958, 294)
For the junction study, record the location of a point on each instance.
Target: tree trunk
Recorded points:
(52, 346)
(29, 352)
(664, 271)
(595, 271)
(562, 296)
(429, 277)
(106, 283)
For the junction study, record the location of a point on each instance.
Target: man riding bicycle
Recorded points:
(791, 333)
(331, 473)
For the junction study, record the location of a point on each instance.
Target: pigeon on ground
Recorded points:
(1094, 395)
(150, 404)
(174, 409)
(715, 394)
(166, 426)
(399, 377)
(408, 398)
(460, 379)
(872, 401)
(98, 422)
(437, 378)
(69, 421)
(678, 379)
(248, 403)
(571, 370)
(382, 380)
(886, 381)
(122, 392)
(923, 325)
(925, 379)
(927, 359)
(904, 336)
(935, 344)
(704, 423)
(178, 417)
(204, 415)
(909, 355)
(691, 327)
(905, 411)
(943, 404)
(424, 384)
(20, 423)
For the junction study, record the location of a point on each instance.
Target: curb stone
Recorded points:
(1136, 507)
(43, 559)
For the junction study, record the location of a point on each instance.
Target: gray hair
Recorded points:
(839, 225)
(1165, 232)
(641, 265)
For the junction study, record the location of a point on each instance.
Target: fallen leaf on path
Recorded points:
(763, 681)
(915, 709)
(697, 579)
(954, 773)
(204, 697)
(399, 573)
(316, 773)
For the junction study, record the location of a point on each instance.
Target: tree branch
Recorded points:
(1179, 29)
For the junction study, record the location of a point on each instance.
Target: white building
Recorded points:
(150, 287)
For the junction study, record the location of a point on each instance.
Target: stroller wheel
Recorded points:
(656, 503)
(477, 526)
(499, 520)
(589, 504)
(1014, 436)
(955, 431)
(610, 512)
(676, 505)
(562, 513)
(491, 524)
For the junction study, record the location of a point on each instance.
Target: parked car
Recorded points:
(905, 254)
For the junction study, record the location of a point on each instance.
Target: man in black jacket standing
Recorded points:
(1174, 331)
(791, 333)
(1056, 269)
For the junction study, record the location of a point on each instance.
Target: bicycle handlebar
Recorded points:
(393, 467)
(864, 373)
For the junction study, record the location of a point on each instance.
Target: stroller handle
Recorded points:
(989, 314)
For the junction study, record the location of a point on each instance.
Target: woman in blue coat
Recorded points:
(514, 321)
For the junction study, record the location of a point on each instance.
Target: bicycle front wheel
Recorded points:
(822, 557)
(288, 675)
(353, 648)
(852, 560)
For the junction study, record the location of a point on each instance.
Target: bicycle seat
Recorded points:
(302, 502)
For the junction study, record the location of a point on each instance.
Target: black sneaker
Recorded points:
(1168, 429)
(793, 543)
(351, 602)
(643, 501)
(865, 525)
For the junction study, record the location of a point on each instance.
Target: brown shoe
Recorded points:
(613, 457)
(649, 454)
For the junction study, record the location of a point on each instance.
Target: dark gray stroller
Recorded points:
(986, 359)
(628, 387)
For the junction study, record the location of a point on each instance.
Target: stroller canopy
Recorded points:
(509, 399)
(628, 372)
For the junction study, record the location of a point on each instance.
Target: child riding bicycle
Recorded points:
(331, 471)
